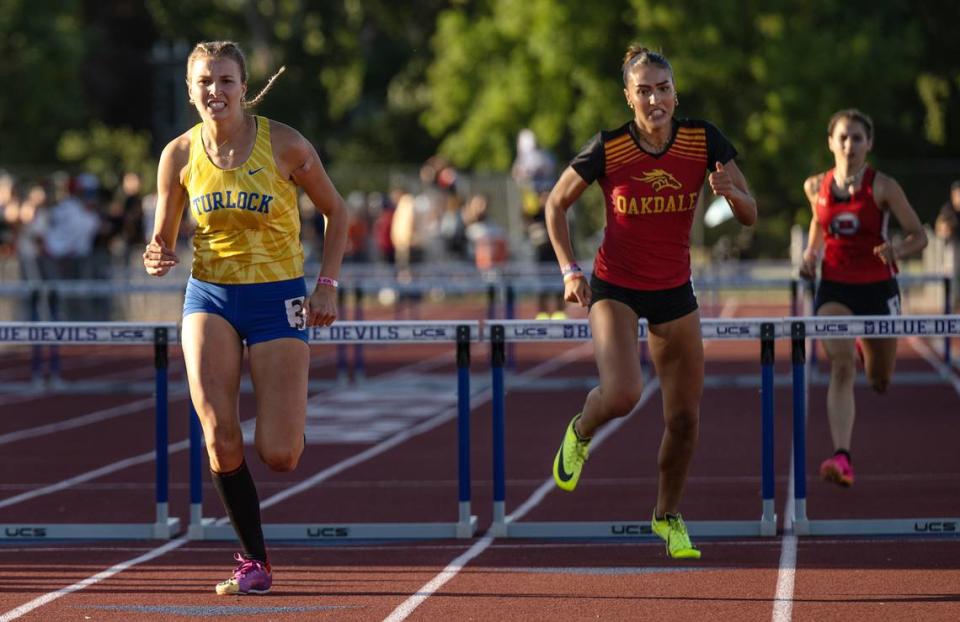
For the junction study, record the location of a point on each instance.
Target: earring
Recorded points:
(676, 100)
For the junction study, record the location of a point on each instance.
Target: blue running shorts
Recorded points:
(258, 311)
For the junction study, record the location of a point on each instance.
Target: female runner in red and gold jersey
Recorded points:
(851, 205)
(651, 171)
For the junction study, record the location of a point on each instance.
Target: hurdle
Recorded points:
(459, 333)
(107, 333)
(501, 332)
(849, 327)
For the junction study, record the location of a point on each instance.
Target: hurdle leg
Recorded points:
(164, 526)
(466, 523)
(768, 520)
(801, 525)
(497, 357)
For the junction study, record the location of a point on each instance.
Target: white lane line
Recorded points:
(786, 572)
(173, 544)
(452, 569)
(94, 474)
(931, 357)
(476, 400)
(77, 422)
(548, 484)
(408, 606)
(49, 597)
(786, 576)
(431, 587)
(783, 601)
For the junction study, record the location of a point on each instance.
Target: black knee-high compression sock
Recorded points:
(239, 496)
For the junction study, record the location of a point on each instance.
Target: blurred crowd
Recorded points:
(415, 224)
(73, 227)
(69, 227)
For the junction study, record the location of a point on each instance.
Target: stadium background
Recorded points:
(379, 87)
(95, 89)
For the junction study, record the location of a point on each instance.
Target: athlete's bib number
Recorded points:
(295, 315)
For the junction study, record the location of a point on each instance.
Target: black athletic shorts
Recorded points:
(657, 306)
(879, 298)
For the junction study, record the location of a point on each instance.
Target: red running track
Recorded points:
(907, 466)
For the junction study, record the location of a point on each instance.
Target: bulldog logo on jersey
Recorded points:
(844, 223)
(659, 179)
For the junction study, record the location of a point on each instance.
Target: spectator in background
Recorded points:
(452, 228)
(311, 229)
(948, 229)
(408, 233)
(382, 209)
(358, 229)
(550, 302)
(107, 246)
(31, 222)
(74, 225)
(487, 242)
(438, 189)
(535, 172)
(131, 224)
(9, 213)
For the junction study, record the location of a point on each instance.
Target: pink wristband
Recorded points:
(325, 280)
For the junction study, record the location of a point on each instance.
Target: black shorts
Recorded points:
(657, 306)
(879, 298)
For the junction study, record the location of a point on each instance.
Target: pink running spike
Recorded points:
(837, 470)
(250, 577)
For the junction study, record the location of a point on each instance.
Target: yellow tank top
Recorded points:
(248, 221)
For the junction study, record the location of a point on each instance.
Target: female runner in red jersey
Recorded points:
(851, 206)
(651, 170)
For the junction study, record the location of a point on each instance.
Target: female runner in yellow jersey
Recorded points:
(237, 174)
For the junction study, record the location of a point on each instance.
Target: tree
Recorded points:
(41, 49)
(768, 73)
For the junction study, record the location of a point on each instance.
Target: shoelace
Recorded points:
(677, 523)
(246, 566)
(582, 449)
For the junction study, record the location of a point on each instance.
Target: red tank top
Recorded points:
(852, 228)
(650, 200)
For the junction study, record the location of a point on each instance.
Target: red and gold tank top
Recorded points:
(650, 200)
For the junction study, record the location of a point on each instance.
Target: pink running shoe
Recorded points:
(837, 470)
(250, 577)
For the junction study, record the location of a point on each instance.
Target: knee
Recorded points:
(843, 370)
(280, 459)
(224, 448)
(622, 402)
(684, 424)
(879, 382)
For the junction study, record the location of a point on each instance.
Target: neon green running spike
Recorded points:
(674, 532)
(568, 463)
